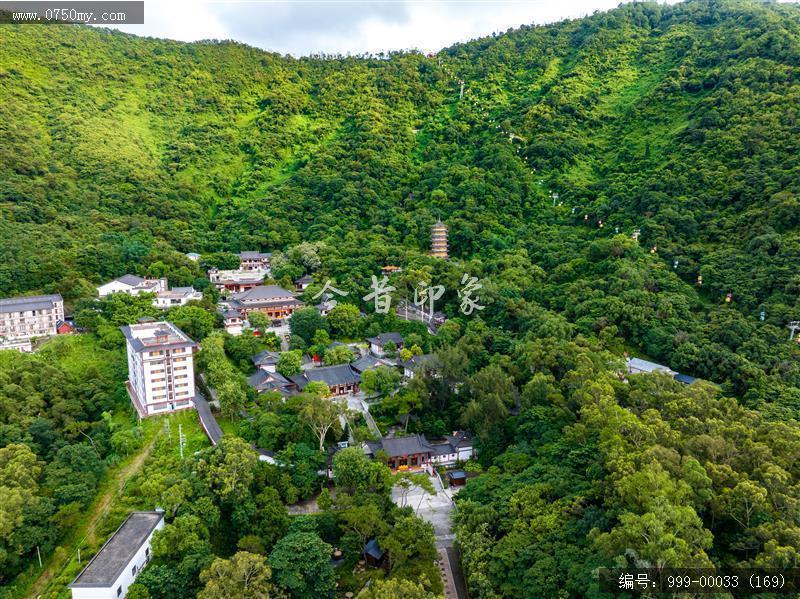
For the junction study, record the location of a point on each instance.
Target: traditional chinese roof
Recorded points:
(270, 381)
(431, 361)
(368, 362)
(305, 279)
(373, 550)
(262, 293)
(265, 358)
(384, 338)
(400, 446)
(333, 376)
(254, 255)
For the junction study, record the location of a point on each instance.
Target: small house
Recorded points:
(377, 345)
(264, 380)
(457, 478)
(454, 448)
(402, 453)
(234, 322)
(303, 282)
(65, 328)
(428, 362)
(266, 360)
(373, 554)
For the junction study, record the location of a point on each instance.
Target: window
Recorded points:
(133, 570)
(119, 591)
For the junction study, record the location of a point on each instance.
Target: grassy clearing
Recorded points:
(160, 437)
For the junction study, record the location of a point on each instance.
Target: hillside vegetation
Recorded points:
(119, 154)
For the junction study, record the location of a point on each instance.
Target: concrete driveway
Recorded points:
(432, 508)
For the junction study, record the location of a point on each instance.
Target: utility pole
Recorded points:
(793, 326)
(39, 555)
(181, 438)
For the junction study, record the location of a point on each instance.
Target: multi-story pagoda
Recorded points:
(439, 240)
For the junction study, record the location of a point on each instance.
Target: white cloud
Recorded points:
(301, 27)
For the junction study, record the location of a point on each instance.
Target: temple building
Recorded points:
(439, 240)
(415, 452)
(274, 302)
(341, 379)
(255, 261)
(235, 281)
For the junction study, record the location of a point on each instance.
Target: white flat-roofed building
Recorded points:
(114, 568)
(177, 296)
(132, 285)
(160, 367)
(23, 318)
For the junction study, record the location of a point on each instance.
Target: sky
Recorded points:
(302, 27)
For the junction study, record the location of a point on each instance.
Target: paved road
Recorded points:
(357, 404)
(436, 509)
(207, 420)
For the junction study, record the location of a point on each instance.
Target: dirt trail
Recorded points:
(88, 531)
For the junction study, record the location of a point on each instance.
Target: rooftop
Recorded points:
(30, 302)
(254, 255)
(131, 280)
(262, 293)
(646, 366)
(367, 362)
(266, 357)
(431, 361)
(270, 381)
(107, 565)
(156, 335)
(400, 446)
(384, 338)
(341, 374)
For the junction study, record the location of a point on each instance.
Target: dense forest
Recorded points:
(626, 182)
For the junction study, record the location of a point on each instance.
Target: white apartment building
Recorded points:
(22, 318)
(132, 285)
(160, 367)
(177, 296)
(115, 567)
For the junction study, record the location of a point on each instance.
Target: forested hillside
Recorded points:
(119, 154)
